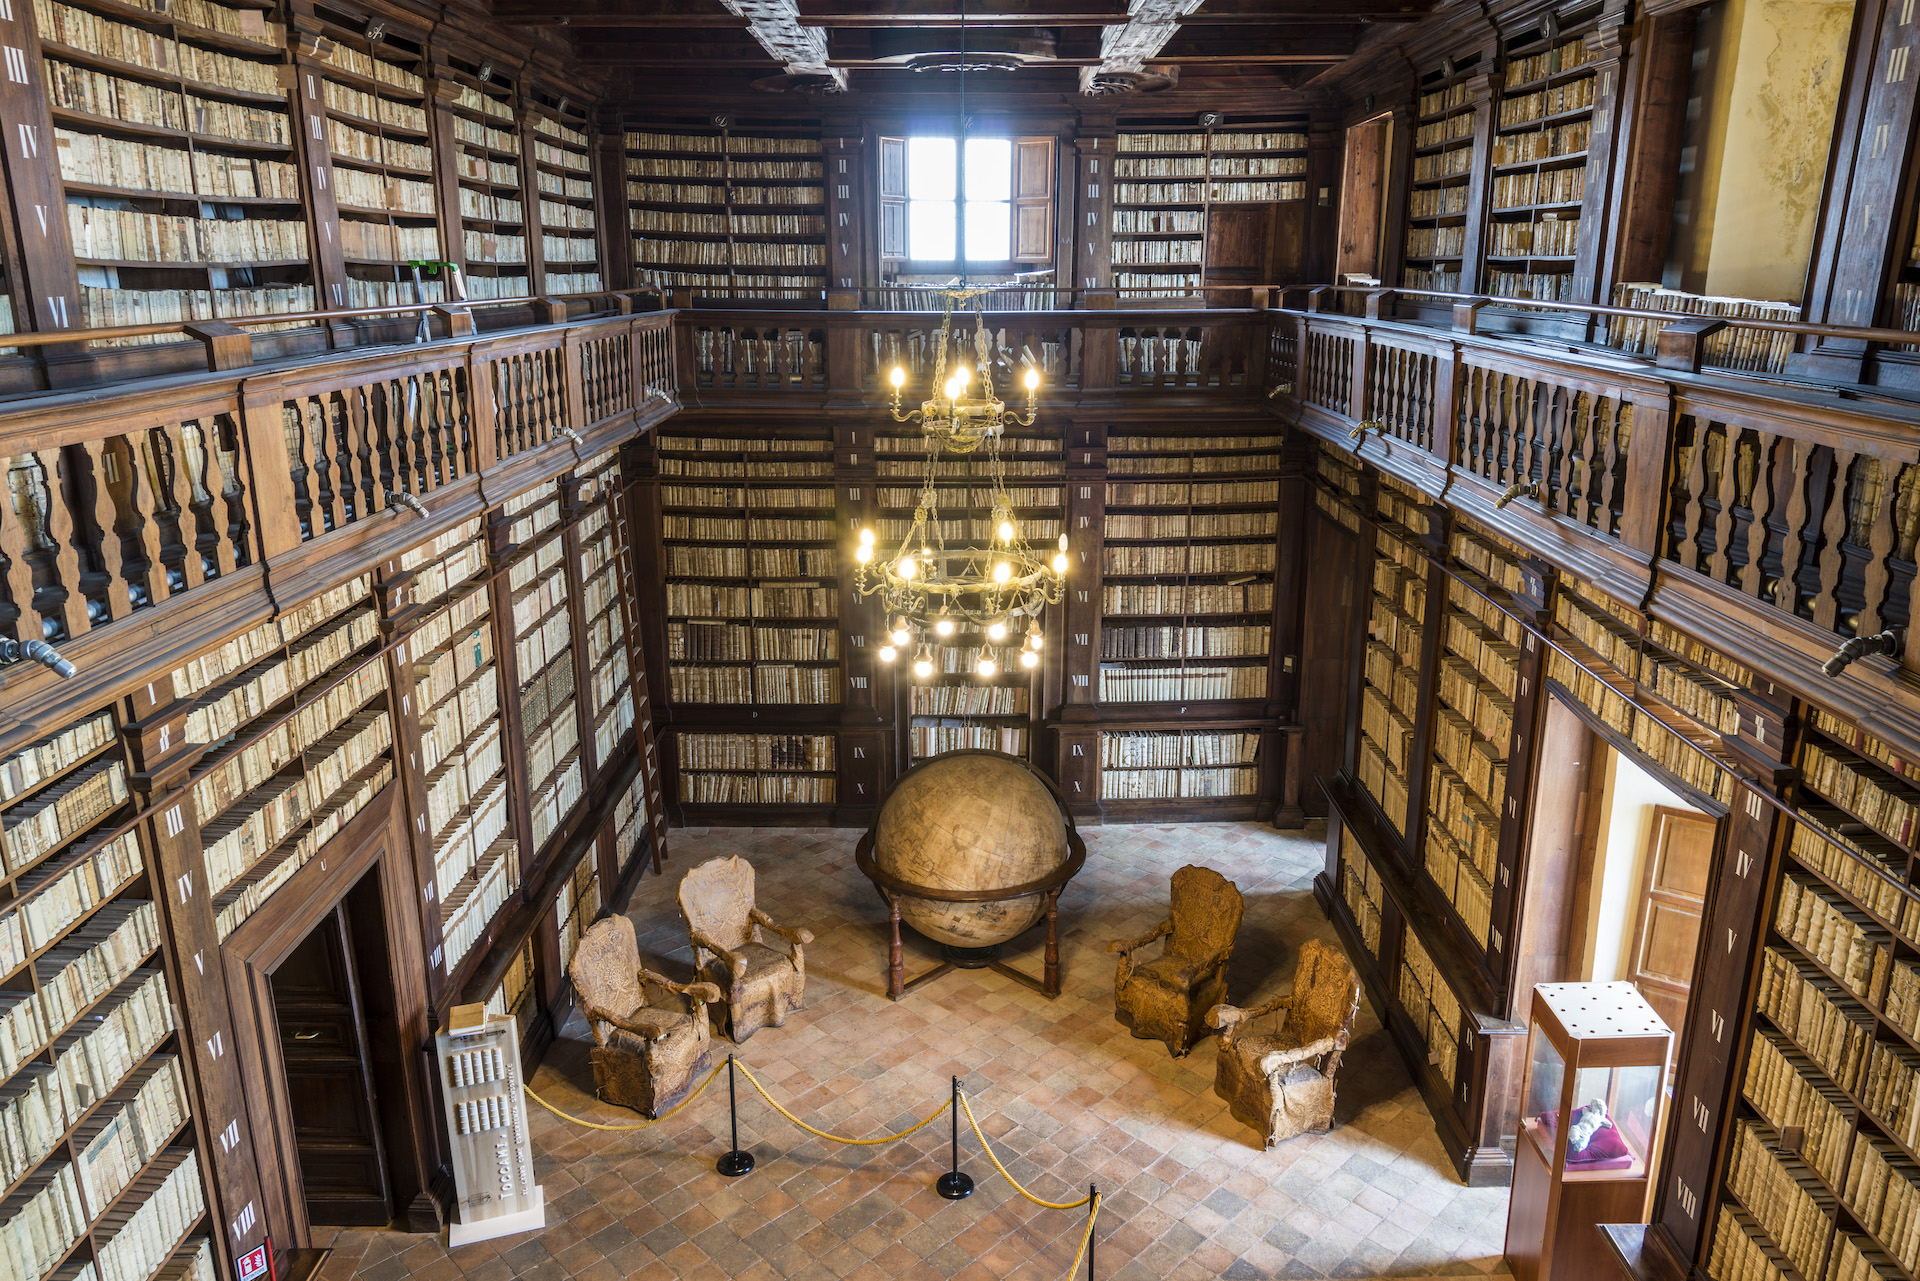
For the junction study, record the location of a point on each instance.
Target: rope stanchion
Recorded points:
(836, 1138)
(596, 1125)
(735, 1162)
(1086, 1238)
(954, 1185)
(988, 1149)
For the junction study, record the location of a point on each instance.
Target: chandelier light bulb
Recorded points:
(997, 631)
(1060, 563)
(898, 377)
(900, 635)
(1002, 572)
(1063, 542)
(863, 553)
(886, 653)
(922, 667)
(1033, 379)
(908, 567)
(1033, 638)
(866, 538)
(1006, 531)
(986, 667)
(943, 626)
(1029, 659)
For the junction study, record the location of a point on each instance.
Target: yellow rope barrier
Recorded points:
(863, 1143)
(988, 1149)
(1085, 1237)
(595, 1125)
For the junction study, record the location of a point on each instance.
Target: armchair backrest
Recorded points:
(715, 898)
(1326, 995)
(606, 967)
(1206, 914)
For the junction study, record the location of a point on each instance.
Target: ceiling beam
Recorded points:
(1150, 24)
(776, 25)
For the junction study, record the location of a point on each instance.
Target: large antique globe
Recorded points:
(970, 821)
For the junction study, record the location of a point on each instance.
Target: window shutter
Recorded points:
(893, 198)
(1033, 200)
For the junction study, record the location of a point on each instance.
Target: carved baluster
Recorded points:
(104, 473)
(180, 559)
(360, 416)
(1745, 531)
(1896, 607)
(1875, 533)
(1708, 503)
(142, 581)
(237, 541)
(197, 452)
(1806, 510)
(299, 465)
(67, 603)
(19, 571)
(387, 405)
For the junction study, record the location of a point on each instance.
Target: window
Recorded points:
(1007, 200)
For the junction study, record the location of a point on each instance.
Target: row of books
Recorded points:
(117, 1142)
(1209, 167)
(460, 846)
(1387, 725)
(1250, 641)
(756, 562)
(1177, 784)
(1140, 559)
(1883, 1192)
(63, 889)
(1387, 785)
(1535, 286)
(1452, 128)
(1187, 599)
(1436, 202)
(757, 752)
(554, 129)
(383, 191)
(1196, 464)
(1442, 165)
(117, 162)
(1123, 444)
(932, 740)
(1234, 140)
(144, 1231)
(558, 213)
(1852, 946)
(723, 170)
(1782, 1196)
(1542, 187)
(79, 29)
(692, 641)
(349, 143)
(555, 184)
(474, 204)
(1518, 111)
(132, 236)
(738, 497)
(1469, 819)
(1142, 749)
(273, 679)
(378, 109)
(730, 143)
(557, 799)
(1735, 347)
(568, 249)
(576, 907)
(61, 811)
(1869, 868)
(350, 59)
(386, 242)
(1453, 97)
(93, 959)
(1176, 525)
(712, 600)
(1819, 1016)
(1550, 237)
(1187, 684)
(706, 253)
(1436, 242)
(698, 194)
(472, 904)
(1360, 890)
(1873, 797)
(745, 686)
(1431, 1005)
(247, 893)
(224, 777)
(1445, 282)
(1786, 1089)
(52, 756)
(757, 789)
(1157, 252)
(1461, 884)
(1566, 57)
(1542, 144)
(981, 497)
(1132, 222)
(481, 135)
(1214, 191)
(1739, 1251)
(728, 224)
(1236, 493)
(947, 470)
(968, 700)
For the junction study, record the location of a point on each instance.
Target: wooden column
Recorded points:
(1867, 219)
(610, 199)
(1483, 90)
(1090, 212)
(309, 104)
(47, 285)
(843, 157)
(1324, 149)
(1597, 224)
(523, 117)
(441, 93)
(1399, 182)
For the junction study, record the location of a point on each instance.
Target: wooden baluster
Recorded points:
(421, 466)
(236, 541)
(1802, 512)
(1723, 532)
(433, 413)
(19, 579)
(360, 434)
(1831, 565)
(70, 611)
(1881, 534)
(1709, 467)
(141, 500)
(209, 542)
(164, 459)
(104, 460)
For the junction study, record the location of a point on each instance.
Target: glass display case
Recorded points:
(1596, 1081)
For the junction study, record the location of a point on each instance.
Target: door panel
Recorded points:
(1666, 934)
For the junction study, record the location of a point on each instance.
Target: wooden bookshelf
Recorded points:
(1188, 562)
(578, 905)
(739, 209)
(1543, 126)
(99, 1150)
(1211, 764)
(609, 675)
(561, 162)
(487, 172)
(1440, 192)
(468, 836)
(175, 153)
(383, 155)
(757, 769)
(1396, 625)
(1197, 208)
(545, 673)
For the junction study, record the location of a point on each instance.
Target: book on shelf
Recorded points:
(1542, 144)
(757, 789)
(757, 752)
(1782, 1194)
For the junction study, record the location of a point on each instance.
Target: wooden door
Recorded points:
(1362, 197)
(1666, 931)
(330, 1092)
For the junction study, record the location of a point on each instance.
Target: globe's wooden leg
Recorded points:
(1053, 944)
(896, 959)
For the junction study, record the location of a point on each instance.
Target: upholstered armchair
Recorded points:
(645, 1056)
(1169, 996)
(760, 985)
(1282, 1083)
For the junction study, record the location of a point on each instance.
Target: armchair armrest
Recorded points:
(1159, 931)
(695, 991)
(736, 961)
(765, 922)
(1275, 1059)
(643, 1031)
(1225, 1017)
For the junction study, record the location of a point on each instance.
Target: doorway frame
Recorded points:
(374, 842)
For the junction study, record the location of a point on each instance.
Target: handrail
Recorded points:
(53, 337)
(1858, 333)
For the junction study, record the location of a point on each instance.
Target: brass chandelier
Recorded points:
(933, 595)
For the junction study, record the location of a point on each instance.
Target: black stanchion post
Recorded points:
(953, 1185)
(735, 1163)
(1093, 1209)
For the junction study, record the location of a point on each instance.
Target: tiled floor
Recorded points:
(1067, 1096)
